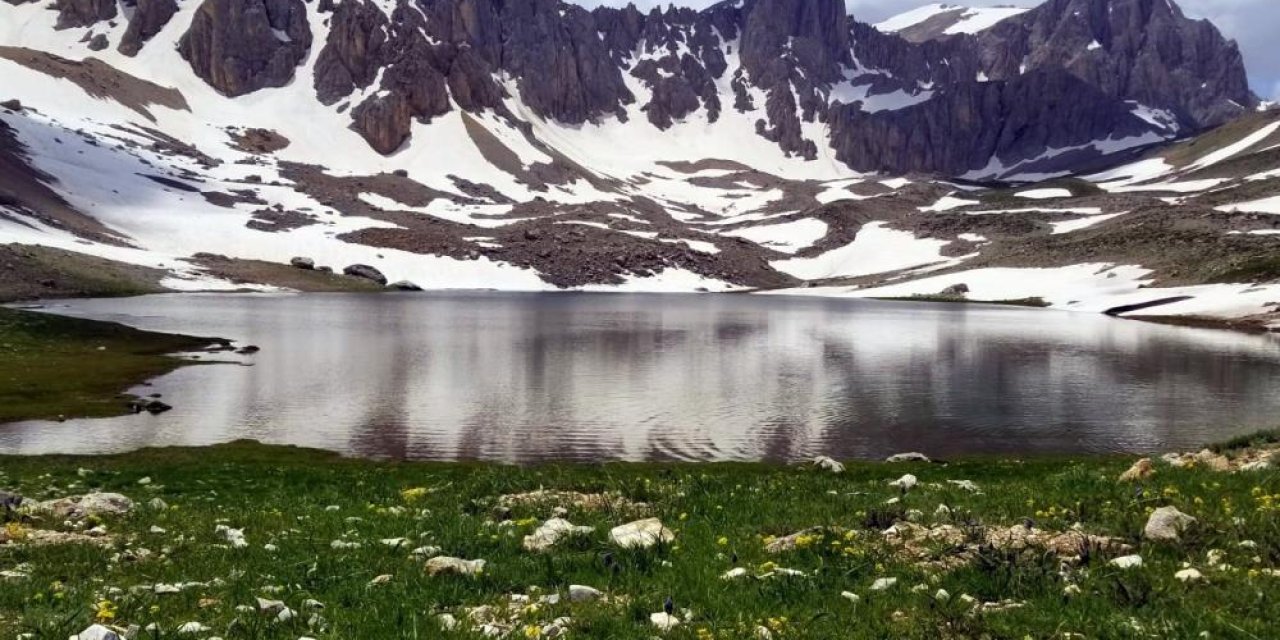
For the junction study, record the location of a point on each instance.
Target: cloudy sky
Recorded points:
(1255, 24)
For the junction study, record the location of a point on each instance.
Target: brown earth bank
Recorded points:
(29, 272)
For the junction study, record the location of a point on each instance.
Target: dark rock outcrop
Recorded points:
(82, 13)
(149, 17)
(366, 272)
(241, 46)
(99, 42)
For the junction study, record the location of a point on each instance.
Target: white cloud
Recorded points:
(1252, 23)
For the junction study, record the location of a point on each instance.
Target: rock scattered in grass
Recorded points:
(552, 532)
(664, 621)
(1189, 575)
(1167, 524)
(446, 565)
(1141, 470)
(76, 508)
(883, 584)
(828, 464)
(905, 483)
(583, 593)
(908, 457)
(1127, 562)
(584, 501)
(641, 534)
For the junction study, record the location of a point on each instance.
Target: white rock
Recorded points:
(96, 632)
(423, 552)
(1189, 575)
(394, 543)
(1166, 523)
(382, 579)
(883, 584)
(1257, 465)
(905, 483)
(551, 532)
(166, 589)
(157, 504)
(233, 536)
(145, 481)
(286, 614)
(942, 511)
(157, 530)
(908, 457)
(444, 564)
(641, 534)
(343, 545)
(1071, 590)
(447, 621)
(583, 593)
(850, 596)
(664, 621)
(734, 574)
(828, 464)
(270, 606)
(312, 604)
(1127, 562)
(967, 485)
(942, 595)
(192, 627)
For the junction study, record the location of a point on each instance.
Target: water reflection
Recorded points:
(531, 377)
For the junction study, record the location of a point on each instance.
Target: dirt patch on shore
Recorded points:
(29, 272)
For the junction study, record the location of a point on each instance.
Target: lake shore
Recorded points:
(54, 367)
(244, 540)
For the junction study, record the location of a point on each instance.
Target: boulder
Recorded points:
(905, 483)
(1141, 470)
(828, 464)
(73, 14)
(81, 507)
(908, 457)
(641, 534)
(955, 291)
(664, 621)
(1166, 523)
(12, 104)
(99, 42)
(304, 263)
(149, 405)
(1189, 575)
(404, 285)
(366, 272)
(445, 565)
(582, 593)
(1127, 562)
(96, 632)
(551, 532)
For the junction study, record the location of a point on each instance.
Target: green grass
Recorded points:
(282, 497)
(54, 366)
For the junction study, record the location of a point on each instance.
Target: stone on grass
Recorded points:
(908, 457)
(967, 485)
(734, 574)
(1189, 575)
(96, 632)
(850, 596)
(1141, 470)
(828, 464)
(446, 565)
(883, 584)
(905, 483)
(552, 532)
(1127, 562)
(382, 579)
(664, 621)
(641, 534)
(80, 507)
(234, 536)
(583, 593)
(1167, 523)
(192, 628)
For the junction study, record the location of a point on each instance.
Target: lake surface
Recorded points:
(581, 377)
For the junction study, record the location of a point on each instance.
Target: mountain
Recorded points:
(536, 144)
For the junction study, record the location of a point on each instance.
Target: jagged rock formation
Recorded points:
(82, 13)
(241, 46)
(1142, 50)
(149, 17)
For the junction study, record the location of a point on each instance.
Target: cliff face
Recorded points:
(1067, 74)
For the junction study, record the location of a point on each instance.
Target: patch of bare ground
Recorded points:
(257, 141)
(1264, 323)
(30, 272)
(100, 80)
(276, 219)
(258, 272)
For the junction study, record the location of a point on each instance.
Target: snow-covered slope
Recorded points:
(940, 19)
